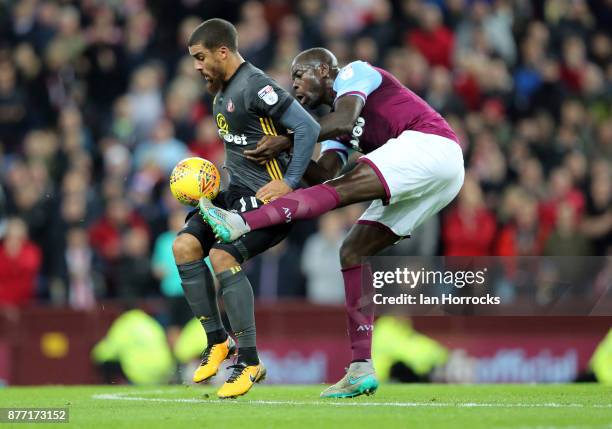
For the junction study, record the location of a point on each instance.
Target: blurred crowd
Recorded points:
(99, 100)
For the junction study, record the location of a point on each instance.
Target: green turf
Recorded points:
(429, 406)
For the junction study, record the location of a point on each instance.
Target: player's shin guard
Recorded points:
(302, 204)
(237, 295)
(199, 289)
(359, 293)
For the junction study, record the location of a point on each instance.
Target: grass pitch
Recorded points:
(295, 407)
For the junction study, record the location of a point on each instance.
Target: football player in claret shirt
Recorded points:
(247, 106)
(412, 167)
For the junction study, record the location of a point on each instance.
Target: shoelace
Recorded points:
(206, 354)
(238, 368)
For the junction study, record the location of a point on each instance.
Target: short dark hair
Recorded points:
(214, 33)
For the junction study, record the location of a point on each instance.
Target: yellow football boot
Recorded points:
(241, 380)
(212, 356)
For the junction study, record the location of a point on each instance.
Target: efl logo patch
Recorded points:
(268, 95)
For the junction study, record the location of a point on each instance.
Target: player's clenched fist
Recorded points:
(269, 147)
(273, 190)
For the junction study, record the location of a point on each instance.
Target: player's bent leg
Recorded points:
(237, 295)
(363, 240)
(238, 299)
(361, 184)
(186, 248)
(198, 285)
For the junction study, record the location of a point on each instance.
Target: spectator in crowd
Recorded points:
(107, 234)
(524, 235)
(320, 261)
(145, 99)
(567, 239)
(440, 94)
(80, 263)
(560, 190)
(20, 261)
(13, 107)
(469, 228)
(531, 177)
(597, 224)
(276, 274)
(487, 28)
(72, 130)
(134, 269)
(163, 150)
(433, 40)
(122, 125)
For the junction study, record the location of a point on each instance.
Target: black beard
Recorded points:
(214, 86)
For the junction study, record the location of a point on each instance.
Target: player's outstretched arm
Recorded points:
(268, 148)
(305, 132)
(325, 168)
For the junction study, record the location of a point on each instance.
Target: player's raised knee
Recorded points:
(186, 248)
